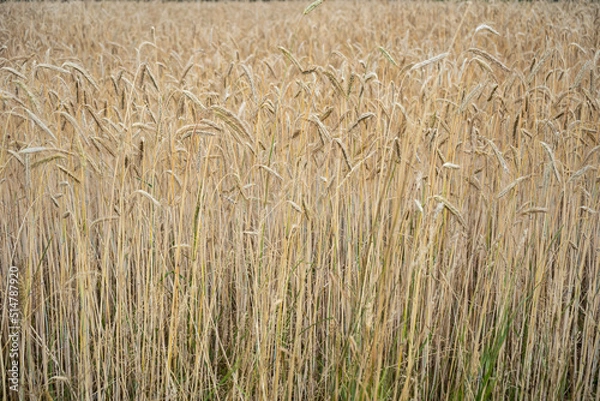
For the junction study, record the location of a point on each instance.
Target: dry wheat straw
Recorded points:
(280, 231)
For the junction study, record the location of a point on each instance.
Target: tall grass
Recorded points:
(375, 200)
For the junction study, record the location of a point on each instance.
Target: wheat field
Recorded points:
(240, 201)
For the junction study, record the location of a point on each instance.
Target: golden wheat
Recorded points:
(283, 200)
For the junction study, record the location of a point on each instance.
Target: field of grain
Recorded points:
(237, 201)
